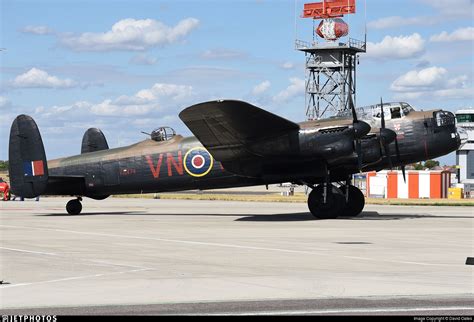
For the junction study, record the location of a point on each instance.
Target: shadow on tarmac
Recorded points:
(301, 216)
(365, 215)
(118, 213)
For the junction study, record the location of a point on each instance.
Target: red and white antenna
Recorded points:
(331, 27)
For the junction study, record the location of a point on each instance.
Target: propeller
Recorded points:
(361, 128)
(386, 137)
(400, 161)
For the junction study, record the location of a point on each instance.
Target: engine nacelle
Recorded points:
(330, 144)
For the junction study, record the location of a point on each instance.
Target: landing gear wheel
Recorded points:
(334, 203)
(356, 202)
(74, 207)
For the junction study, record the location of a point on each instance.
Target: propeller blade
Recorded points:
(351, 102)
(386, 136)
(361, 128)
(387, 153)
(399, 160)
(359, 154)
(382, 116)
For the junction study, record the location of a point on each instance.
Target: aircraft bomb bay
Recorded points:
(168, 255)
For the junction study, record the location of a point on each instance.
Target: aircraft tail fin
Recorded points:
(93, 140)
(28, 168)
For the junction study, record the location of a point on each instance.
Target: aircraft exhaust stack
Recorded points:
(28, 167)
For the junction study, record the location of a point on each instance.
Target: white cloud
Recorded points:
(222, 54)
(397, 22)
(434, 82)
(287, 65)
(455, 93)
(37, 78)
(130, 34)
(142, 59)
(37, 30)
(261, 88)
(4, 102)
(295, 88)
(461, 34)
(145, 101)
(401, 47)
(420, 80)
(446, 10)
(452, 8)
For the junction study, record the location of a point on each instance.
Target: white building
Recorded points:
(465, 154)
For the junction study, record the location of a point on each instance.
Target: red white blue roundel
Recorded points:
(198, 162)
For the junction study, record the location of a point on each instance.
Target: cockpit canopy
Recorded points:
(163, 133)
(393, 110)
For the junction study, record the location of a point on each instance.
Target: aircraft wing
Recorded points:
(228, 129)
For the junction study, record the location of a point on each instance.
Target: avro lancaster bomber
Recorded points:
(237, 144)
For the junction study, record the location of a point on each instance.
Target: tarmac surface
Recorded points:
(145, 256)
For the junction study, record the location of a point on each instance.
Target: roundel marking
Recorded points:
(198, 162)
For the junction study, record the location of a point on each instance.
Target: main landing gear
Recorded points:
(74, 206)
(326, 201)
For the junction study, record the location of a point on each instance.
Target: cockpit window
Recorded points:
(444, 118)
(395, 112)
(377, 113)
(406, 108)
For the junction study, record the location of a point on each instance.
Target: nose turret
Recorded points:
(445, 137)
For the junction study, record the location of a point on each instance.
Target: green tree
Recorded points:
(418, 166)
(3, 165)
(430, 164)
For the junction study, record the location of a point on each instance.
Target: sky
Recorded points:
(132, 66)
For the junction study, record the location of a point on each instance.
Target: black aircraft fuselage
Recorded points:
(236, 144)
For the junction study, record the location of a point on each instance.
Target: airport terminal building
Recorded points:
(465, 154)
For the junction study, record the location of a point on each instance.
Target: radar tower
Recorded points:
(330, 63)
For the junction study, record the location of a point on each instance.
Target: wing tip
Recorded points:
(216, 102)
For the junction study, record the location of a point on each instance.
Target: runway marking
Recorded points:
(73, 278)
(96, 262)
(28, 251)
(343, 311)
(231, 246)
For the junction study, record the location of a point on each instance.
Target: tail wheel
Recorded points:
(356, 202)
(74, 207)
(330, 209)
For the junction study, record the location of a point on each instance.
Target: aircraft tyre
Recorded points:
(331, 209)
(74, 207)
(356, 202)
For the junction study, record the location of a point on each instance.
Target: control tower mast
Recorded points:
(330, 64)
